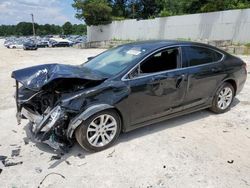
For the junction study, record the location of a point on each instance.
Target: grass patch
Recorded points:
(247, 45)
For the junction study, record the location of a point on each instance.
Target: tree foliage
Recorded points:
(67, 28)
(95, 12)
(25, 29)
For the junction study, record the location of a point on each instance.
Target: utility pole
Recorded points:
(133, 10)
(34, 33)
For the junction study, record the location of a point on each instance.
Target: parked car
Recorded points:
(60, 44)
(125, 88)
(43, 44)
(30, 45)
(15, 46)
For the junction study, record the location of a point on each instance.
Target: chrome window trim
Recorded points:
(181, 68)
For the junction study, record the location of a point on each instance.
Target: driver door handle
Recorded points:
(179, 80)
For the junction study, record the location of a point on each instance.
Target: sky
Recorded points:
(45, 11)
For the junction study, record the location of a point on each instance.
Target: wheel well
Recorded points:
(120, 115)
(233, 83)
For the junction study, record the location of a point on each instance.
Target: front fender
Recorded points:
(75, 122)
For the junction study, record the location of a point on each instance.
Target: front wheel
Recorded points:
(99, 131)
(223, 98)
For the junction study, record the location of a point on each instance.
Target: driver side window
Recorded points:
(160, 61)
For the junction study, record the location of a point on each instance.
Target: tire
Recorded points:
(223, 98)
(106, 134)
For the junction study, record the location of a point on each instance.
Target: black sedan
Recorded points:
(60, 44)
(31, 45)
(124, 88)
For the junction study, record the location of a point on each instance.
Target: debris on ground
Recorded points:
(82, 164)
(81, 156)
(7, 164)
(230, 162)
(67, 162)
(55, 157)
(164, 166)
(15, 152)
(38, 170)
(245, 182)
(48, 175)
(3, 158)
(111, 154)
(26, 140)
(183, 137)
(14, 131)
(225, 131)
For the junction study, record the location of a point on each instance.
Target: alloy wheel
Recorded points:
(102, 130)
(225, 98)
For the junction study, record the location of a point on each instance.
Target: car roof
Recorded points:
(157, 44)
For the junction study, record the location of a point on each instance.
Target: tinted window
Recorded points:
(160, 61)
(199, 56)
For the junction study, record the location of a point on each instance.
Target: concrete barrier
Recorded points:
(232, 25)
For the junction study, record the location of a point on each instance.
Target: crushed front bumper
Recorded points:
(42, 128)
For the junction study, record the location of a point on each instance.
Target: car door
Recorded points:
(205, 72)
(155, 92)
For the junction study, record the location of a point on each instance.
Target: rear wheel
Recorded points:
(223, 98)
(99, 131)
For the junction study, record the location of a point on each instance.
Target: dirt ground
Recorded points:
(196, 150)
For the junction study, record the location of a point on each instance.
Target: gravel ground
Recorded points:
(196, 150)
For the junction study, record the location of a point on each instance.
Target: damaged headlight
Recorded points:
(56, 113)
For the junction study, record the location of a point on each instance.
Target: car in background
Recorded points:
(43, 44)
(124, 88)
(30, 45)
(15, 46)
(60, 44)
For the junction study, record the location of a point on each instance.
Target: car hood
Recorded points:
(36, 77)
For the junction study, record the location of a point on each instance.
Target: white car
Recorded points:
(16, 46)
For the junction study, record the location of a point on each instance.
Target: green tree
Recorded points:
(79, 29)
(67, 28)
(24, 29)
(93, 12)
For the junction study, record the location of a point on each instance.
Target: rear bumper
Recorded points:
(241, 80)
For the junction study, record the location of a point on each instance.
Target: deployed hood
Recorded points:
(36, 77)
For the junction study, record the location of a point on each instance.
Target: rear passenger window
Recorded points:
(199, 56)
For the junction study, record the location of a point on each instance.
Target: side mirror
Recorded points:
(92, 57)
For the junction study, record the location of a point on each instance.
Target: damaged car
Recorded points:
(125, 88)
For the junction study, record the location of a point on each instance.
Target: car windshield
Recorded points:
(114, 60)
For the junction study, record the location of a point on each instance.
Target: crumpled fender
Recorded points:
(75, 122)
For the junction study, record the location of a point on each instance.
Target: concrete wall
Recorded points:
(225, 25)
